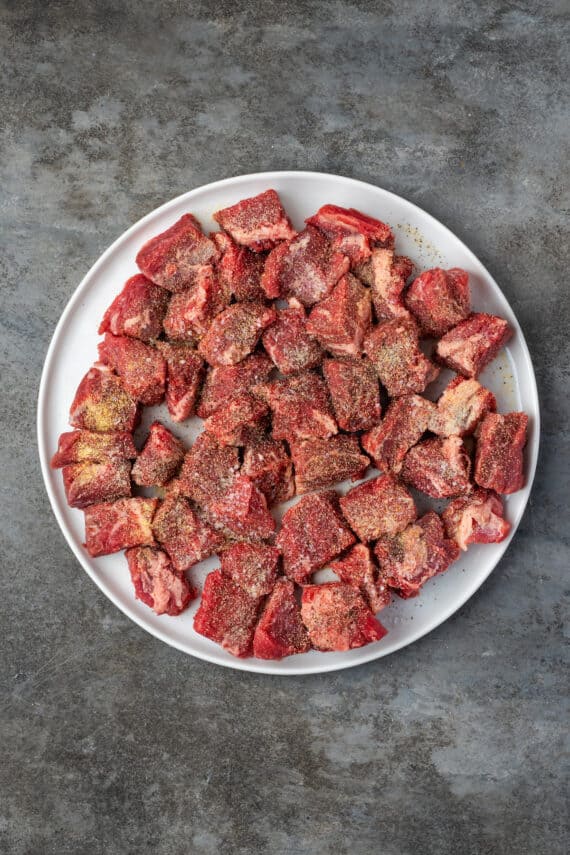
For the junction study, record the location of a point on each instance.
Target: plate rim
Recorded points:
(252, 665)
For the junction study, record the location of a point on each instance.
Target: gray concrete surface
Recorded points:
(110, 741)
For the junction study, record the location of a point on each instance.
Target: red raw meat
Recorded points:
(312, 532)
(239, 269)
(78, 446)
(269, 466)
(386, 274)
(191, 312)
(208, 470)
(252, 566)
(473, 343)
(355, 393)
(225, 382)
(346, 224)
(300, 407)
(160, 458)
(477, 518)
(184, 373)
(358, 569)
(137, 311)
(393, 349)
(377, 507)
(411, 557)
(186, 537)
(439, 299)
(404, 423)
(337, 617)
(305, 269)
(174, 258)
(289, 344)
(324, 462)
(461, 407)
(258, 222)
(112, 526)
(235, 332)
(88, 483)
(239, 421)
(140, 366)
(243, 510)
(102, 403)
(438, 467)
(499, 456)
(340, 321)
(156, 582)
(280, 631)
(227, 614)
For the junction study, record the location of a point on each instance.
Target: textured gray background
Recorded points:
(110, 741)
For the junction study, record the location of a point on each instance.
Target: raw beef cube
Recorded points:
(312, 532)
(137, 311)
(184, 373)
(208, 470)
(411, 557)
(280, 631)
(187, 538)
(112, 526)
(347, 223)
(289, 344)
(300, 407)
(499, 455)
(191, 312)
(243, 510)
(439, 299)
(358, 569)
(340, 321)
(386, 274)
(337, 617)
(306, 270)
(269, 466)
(252, 566)
(377, 507)
(438, 467)
(461, 407)
(225, 382)
(405, 422)
(78, 446)
(235, 332)
(239, 421)
(156, 582)
(88, 483)
(473, 343)
(239, 269)
(393, 349)
(140, 366)
(355, 393)
(477, 518)
(227, 614)
(258, 222)
(160, 458)
(174, 258)
(323, 462)
(102, 403)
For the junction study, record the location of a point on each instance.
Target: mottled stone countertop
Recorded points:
(111, 742)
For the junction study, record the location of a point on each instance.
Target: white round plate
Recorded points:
(74, 348)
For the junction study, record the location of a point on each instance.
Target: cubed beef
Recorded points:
(354, 231)
(289, 344)
(156, 582)
(186, 537)
(174, 258)
(160, 458)
(439, 299)
(269, 466)
(78, 446)
(411, 557)
(386, 274)
(225, 382)
(339, 322)
(184, 373)
(461, 407)
(191, 312)
(359, 570)
(379, 506)
(499, 457)
(323, 462)
(88, 483)
(235, 332)
(300, 406)
(137, 311)
(404, 423)
(208, 470)
(140, 366)
(438, 467)
(242, 510)
(337, 618)
(280, 631)
(477, 518)
(112, 526)
(102, 403)
(227, 614)
(252, 566)
(239, 269)
(258, 222)
(239, 422)
(355, 393)
(393, 349)
(473, 343)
